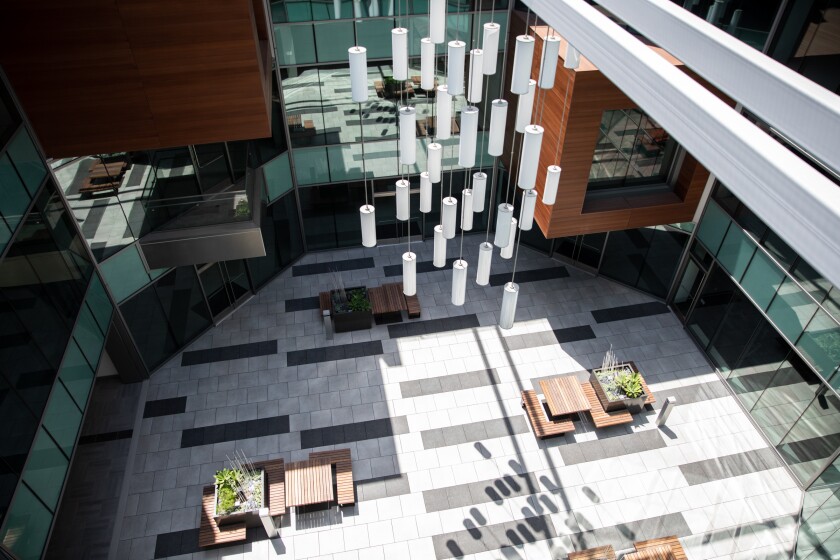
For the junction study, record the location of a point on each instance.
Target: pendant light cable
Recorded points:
(364, 163)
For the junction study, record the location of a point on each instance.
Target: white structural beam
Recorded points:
(803, 111)
(799, 203)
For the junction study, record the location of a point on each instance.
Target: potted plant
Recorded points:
(240, 492)
(351, 308)
(618, 386)
(391, 86)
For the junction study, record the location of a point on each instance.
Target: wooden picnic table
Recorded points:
(308, 482)
(107, 170)
(662, 552)
(564, 395)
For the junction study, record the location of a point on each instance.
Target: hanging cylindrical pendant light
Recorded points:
(524, 107)
(572, 57)
(449, 209)
(476, 75)
(439, 259)
(552, 180)
(511, 294)
(507, 251)
(408, 125)
(485, 259)
(455, 62)
(443, 107)
(498, 123)
(399, 53)
(530, 158)
(490, 46)
(368, 215)
(402, 200)
(409, 261)
(374, 8)
(523, 56)
(469, 137)
(358, 73)
(425, 192)
(336, 9)
(466, 210)
(548, 66)
(503, 221)
(390, 10)
(357, 9)
(479, 188)
(529, 203)
(437, 20)
(434, 156)
(427, 64)
(459, 281)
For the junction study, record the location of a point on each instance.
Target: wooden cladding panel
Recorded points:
(137, 74)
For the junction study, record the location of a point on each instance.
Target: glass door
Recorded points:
(583, 251)
(389, 229)
(225, 284)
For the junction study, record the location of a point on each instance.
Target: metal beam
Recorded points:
(800, 204)
(802, 110)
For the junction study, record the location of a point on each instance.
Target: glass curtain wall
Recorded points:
(748, 20)
(819, 532)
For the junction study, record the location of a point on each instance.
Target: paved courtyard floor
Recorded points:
(445, 461)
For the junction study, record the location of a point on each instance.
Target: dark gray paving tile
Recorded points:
(475, 540)
(693, 393)
(466, 433)
(164, 407)
(331, 353)
(629, 311)
(574, 334)
(107, 436)
(529, 340)
(616, 446)
(623, 535)
(423, 267)
(223, 353)
(524, 276)
(338, 266)
(356, 431)
(233, 431)
(728, 466)
(302, 304)
(185, 542)
(446, 383)
(433, 326)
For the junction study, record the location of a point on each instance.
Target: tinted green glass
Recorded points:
(278, 177)
(100, 303)
(76, 374)
(15, 197)
(125, 273)
(713, 227)
(820, 343)
(27, 525)
(791, 309)
(62, 418)
(27, 160)
(762, 279)
(183, 303)
(299, 11)
(735, 252)
(295, 44)
(311, 166)
(88, 335)
(375, 34)
(807, 446)
(5, 234)
(333, 39)
(45, 470)
(345, 162)
(149, 327)
(282, 236)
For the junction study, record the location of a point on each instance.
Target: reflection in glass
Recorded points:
(758, 365)
(62, 419)
(282, 237)
(762, 279)
(814, 437)
(45, 469)
(149, 328)
(183, 303)
(791, 309)
(713, 227)
(27, 525)
(820, 343)
(735, 252)
(734, 331)
(711, 306)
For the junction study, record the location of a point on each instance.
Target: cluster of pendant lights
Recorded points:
(482, 62)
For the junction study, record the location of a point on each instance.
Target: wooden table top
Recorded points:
(308, 482)
(652, 553)
(564, 395)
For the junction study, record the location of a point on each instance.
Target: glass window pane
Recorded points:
(377, 37)
(295, 44)
(100, 303)
(5, 234)
(345, 162)
(758, 365)
(733, 334)
(711, 306)
(299, 10)
(278, 177)
(282, 236)
(625, 254)
(27, 525)
(780, 250)
(713, 227)
(811, 280)
(62, 419)
(19, 427)
(76, 374)
(791, 309)
(333, 39)
(183, 303)
(125, 273)
(45, 469)
(813, 438)
(149, 327)
(762, 279)
(27, 160)
(15, 198)
(736, 251)
(661, 262)
(820, 343)
(88, 336)
(311, 166)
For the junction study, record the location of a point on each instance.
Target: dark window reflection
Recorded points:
(282, 238)
(183, 303)
(148, 325)
(711, 305)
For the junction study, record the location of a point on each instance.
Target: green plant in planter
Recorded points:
(630, 384)
(227, 500)
(228, 478)
(358, 301)
(242, 209)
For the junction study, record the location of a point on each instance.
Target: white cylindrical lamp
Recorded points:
(459, 282)
(336, 9)
(434, 156)
(571, 58)
(479, 188)
(449, 210)
(508, 313)
(427, 64)
(469, 137)
(503, 221)
(358, 74)
(439, 259)
(507, 251)
(456, 53)
(485, 259)
(529, 204)
(466, 210)
(425, 192)
(552, 180)
(403, 210)
(490, 46)
(548, 66)
(409, 261)
(498, 118)
(523, 56)
(524, 107)
(443, 106)
(437, 21)
(368, 216)
(530, 157)
(476, 74)
(399, 53)
(408, 146)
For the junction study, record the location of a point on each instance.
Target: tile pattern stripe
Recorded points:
(357, 431)
(223, 353)
(474, 431)
(330, 353)
(727, 466)
(446, 383)
(629, 311)
(433, 326)
(616, 446)
(233, 431)
(327, 267)
(301, 304)
(574, 334)
(165, 407)
(107, 436)
(524, 276)
(423, 267)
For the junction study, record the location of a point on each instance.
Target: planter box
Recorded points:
(350, 320)
(613, 404)
(251, 517)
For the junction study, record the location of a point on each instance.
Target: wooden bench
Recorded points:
(600, 417)
(537, 416)
(90, 186)
(210, 534)
(346, 494)
(275, 478)
(387, 299)
(325, 303)
(412, 304)
(671, 541)
(596, 553)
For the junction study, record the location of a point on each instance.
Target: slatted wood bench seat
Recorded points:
(600, 417)
(90, 186)
(346, 494)
(671, 541)
(412, 304)
(210, 534)
(387, 299)
(542, 425)
(275, 477)
(596, 553)
(324, 302)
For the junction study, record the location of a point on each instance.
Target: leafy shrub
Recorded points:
(227, 500)
(358, 301)
(630, 384)
(228, 478)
